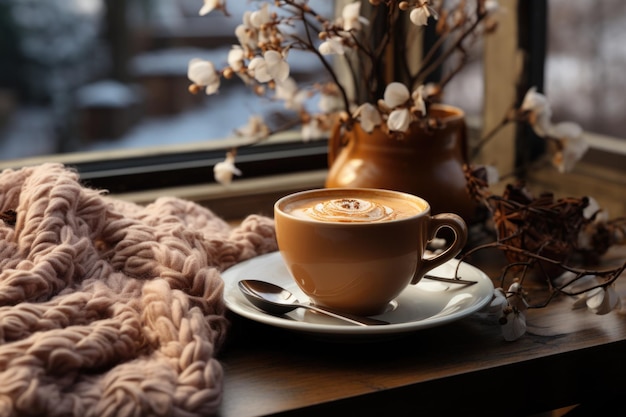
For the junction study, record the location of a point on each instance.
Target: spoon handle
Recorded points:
(360, 321)
(451, 280)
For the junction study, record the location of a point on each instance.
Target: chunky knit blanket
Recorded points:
(108, 308)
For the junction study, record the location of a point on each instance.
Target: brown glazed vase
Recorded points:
(428, 164)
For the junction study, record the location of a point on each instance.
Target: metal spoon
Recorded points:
(277, 300)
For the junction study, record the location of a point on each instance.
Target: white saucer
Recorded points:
(427, 304)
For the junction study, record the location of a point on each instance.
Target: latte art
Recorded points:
(352, 206)
(350, 210)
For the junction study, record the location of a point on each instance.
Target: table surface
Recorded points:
(567, 357)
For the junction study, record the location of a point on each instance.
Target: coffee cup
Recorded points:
(356, 249)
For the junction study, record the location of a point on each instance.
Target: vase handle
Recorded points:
(334, 143)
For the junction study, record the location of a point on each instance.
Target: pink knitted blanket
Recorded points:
(108, 308)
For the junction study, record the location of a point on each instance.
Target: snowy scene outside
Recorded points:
(585, 58)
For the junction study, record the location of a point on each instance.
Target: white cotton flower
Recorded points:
(236, 57)
(516, 297)
(329, 102)
(255, 129)
(257, 68)
(246, 19)
(332, 46)
(535, 102)
(587, 233)
(420, 14)
(351, 17)
(271, 66)
(600, 217)
(258, 21)
(541, 124)
(399, 120)
(203, 73)
(603, 300)
(277, 67)
(260, 17)
(541, 113)
(573, 143)
(396, 94)
(493, 176)
(209, 6)
(513, 321)
(569, 134)
(223, 171)
(312, 130)
(492, 6)
(369, 116)
(567, 130)
(288, 92)
(513, 325)
(246, 34)
(593, 208)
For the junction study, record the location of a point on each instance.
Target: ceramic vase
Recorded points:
(424, 162)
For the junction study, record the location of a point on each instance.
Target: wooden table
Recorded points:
(464, 368)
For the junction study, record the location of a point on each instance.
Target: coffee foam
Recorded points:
(351, 210)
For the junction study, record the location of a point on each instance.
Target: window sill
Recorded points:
(600, 174)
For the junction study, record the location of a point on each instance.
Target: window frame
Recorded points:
(147, 169)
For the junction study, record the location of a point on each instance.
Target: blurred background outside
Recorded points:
(90, 75)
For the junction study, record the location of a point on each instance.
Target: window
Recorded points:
(585, 61)
(103, 85)
(54, 96)
(584, 84)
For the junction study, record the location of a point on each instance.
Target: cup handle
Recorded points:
(458, 226)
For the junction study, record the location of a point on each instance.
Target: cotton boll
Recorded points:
(603, 300)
